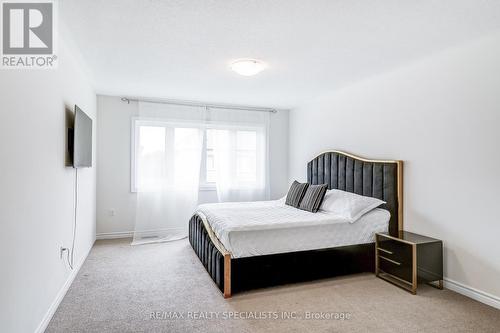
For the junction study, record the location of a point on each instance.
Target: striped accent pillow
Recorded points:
(296, 193)
(313, 197)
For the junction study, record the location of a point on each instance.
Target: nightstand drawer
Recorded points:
(407, 259)
(394, 250)
(399, 269)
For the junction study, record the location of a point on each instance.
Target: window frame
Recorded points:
(138, 121)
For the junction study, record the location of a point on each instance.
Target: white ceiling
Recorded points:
(181, 49)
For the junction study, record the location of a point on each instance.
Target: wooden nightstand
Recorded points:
(409, 259)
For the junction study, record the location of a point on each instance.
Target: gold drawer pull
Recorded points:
(384, 250)
(394, 262)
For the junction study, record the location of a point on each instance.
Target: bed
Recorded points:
(259, 244)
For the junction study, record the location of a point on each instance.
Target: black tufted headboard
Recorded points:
(373, 178)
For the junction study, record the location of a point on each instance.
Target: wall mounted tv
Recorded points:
(80, 140)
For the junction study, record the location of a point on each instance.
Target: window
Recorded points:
(245, 159)
(246, 156)
(210, 171)
(164, 151)
(150, 154)
(235, 152)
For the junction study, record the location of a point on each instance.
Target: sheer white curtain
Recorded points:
(168, 142)
(240, 151)
(168, 147)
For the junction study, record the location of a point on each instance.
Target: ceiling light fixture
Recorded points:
(248, 67)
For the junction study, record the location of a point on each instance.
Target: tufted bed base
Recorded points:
(240, 274)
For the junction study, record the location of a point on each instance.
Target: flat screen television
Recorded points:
(81, 140)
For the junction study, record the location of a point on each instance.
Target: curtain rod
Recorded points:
(200, 104)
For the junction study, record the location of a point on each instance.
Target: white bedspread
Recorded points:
(268, 227)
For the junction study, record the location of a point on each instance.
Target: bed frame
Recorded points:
(376, 178)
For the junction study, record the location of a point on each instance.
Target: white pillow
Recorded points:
(349, 205)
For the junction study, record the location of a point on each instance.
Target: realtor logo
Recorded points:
(28, 34)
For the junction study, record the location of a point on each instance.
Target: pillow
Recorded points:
(348, 205)
(296, 193)
(313, 197)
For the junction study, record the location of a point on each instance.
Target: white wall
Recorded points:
(441, 116)
(113, 170)
(36, 196)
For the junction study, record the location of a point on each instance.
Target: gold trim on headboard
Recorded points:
(399, 169)
(400, 196)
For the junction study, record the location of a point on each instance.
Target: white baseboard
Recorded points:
(115, 235)
(138, 234)
(60, 295)
(473, 293)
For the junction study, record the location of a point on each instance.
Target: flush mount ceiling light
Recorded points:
(248, 67)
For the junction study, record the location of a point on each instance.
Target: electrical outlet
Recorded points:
(62, 250)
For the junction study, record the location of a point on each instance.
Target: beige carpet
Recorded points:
(120, 286)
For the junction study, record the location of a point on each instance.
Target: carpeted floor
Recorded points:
(148, 288)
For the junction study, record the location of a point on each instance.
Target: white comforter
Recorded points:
(268, 227)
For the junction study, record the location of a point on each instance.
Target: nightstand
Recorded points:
(409, 259)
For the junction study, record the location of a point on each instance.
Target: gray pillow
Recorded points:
(296, 193)
(313, 197)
